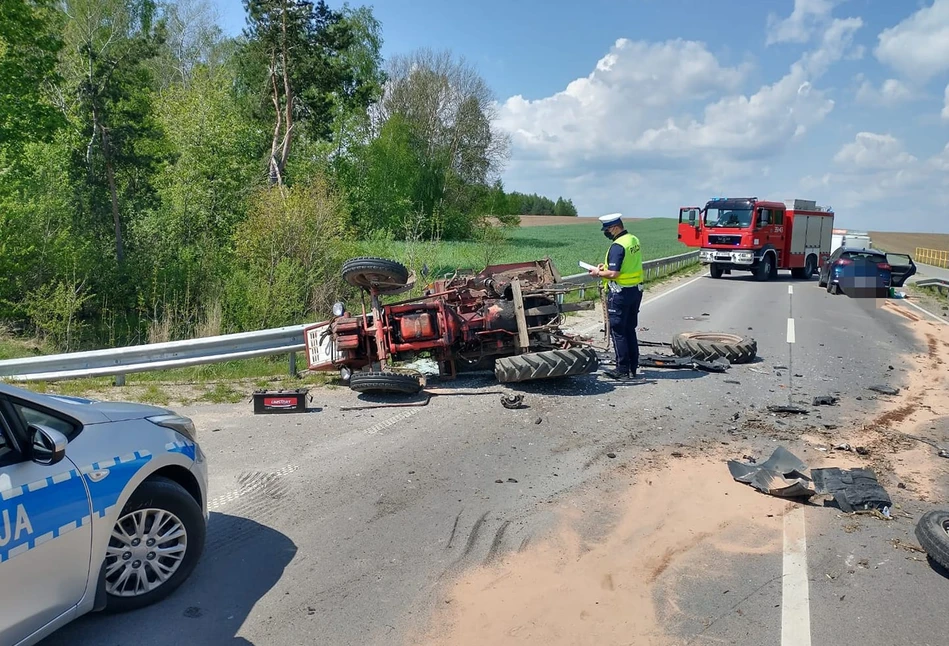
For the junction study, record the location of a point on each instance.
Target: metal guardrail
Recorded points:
(941, 284)
(652, 269)
(934, 257)
(215, 349)
(156, 356)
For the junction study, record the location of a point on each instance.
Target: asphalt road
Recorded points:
(344, 528)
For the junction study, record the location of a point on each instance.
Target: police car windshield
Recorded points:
(732, 218)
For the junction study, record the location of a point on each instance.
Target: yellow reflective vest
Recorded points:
(631, 271)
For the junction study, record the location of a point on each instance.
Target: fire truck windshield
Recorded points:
(723, 217)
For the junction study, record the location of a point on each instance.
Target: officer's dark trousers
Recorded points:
(623, 310)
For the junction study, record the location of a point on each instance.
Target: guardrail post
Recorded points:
(293, 364)
(119, 380)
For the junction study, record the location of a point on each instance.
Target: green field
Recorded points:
(565, 245)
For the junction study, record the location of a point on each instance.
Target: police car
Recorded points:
(103, 506)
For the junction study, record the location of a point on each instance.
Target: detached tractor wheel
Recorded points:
(384, 382)
(932, 532)
(708, 346)
(547, 364)
(384, 275)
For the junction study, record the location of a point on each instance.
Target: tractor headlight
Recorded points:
(339, 308)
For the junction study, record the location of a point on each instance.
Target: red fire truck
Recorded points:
(748, 234)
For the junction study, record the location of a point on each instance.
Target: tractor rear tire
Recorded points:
(547, 364)
(384, 382)
(384, 275)
(708, 346)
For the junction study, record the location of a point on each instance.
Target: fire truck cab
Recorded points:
(759, 236)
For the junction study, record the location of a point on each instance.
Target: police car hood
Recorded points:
(88, 411)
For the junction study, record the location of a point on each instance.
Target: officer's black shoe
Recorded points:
(618, 376)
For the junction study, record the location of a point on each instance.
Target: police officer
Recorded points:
(622, 275)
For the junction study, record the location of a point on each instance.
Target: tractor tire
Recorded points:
(382, 274)
(547, 364)
(715, 270)
(384, 382)
(708, 346)
(932, 532)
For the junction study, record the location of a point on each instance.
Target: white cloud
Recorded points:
(945, 107)
(805, 19)
(890, 93)
(870, 150)
(633, 86)
(918, 47)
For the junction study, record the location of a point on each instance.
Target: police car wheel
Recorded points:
(155, 545)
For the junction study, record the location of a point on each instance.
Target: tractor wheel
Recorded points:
(543, 365)
(384, 382)
(384, 275)
(932, 531)
(708, 346)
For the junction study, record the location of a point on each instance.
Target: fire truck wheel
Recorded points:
(715, 270)
(375, 272)
(708, 346)
(547, 364)
(765, 271)
(384, 382)
(932, 532)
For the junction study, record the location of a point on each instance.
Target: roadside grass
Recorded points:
(564, 245)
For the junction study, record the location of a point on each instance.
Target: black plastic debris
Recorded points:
(672, 362)
(825, 400)
(794, 410)
(780, 475)
(884, 390)
(512, 402)
(853, 490)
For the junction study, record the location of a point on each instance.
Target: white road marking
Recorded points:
(790, 330)
(676, 288)
(589, 329)
(790, 289)
(924, 311)
(795, 598)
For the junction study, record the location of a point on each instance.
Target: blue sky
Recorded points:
(641, 106)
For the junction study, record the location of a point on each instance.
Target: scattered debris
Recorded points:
(796, 410)
(901, 485)
(512, 401)
(780, 475)
(943, 453)
(853, 490)
(825, 400)
(780, 367)
(862, 451)
(499, 481)
(512, 480)
(842, 447)
(676, 454)
(679, 363)
(538, 420)
(733, 381)
(736, 416)
(611, 455)
(884, 390)
(750, 458)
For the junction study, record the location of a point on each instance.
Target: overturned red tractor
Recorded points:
(508, 317)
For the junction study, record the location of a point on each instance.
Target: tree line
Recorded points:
(160, 180)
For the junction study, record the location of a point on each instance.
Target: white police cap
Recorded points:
(606, 221)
